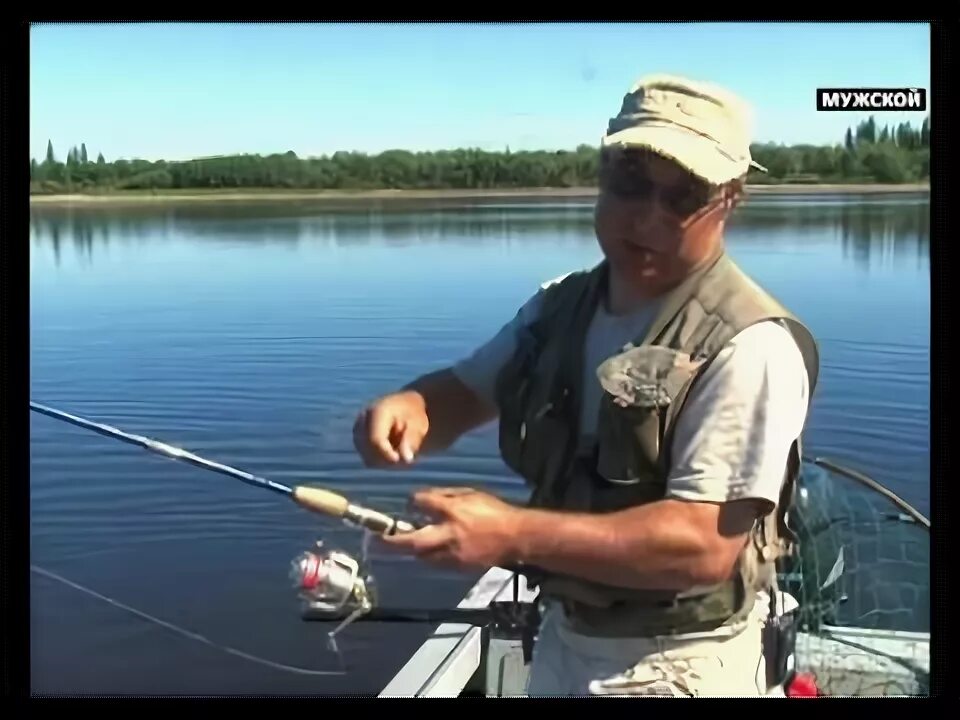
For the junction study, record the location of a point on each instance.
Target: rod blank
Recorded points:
(162, 448)
(317, 500)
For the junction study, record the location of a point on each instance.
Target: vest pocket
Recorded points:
(628, 450)
(628, 442)
(639, 389)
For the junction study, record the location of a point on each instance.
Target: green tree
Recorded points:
(898, 156)
(825, 162)
(867, 131)
(885, 165)
(903, 136)
(850, 166)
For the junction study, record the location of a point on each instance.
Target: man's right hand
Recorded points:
(391, 430)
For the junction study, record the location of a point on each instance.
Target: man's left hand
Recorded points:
(475, 530)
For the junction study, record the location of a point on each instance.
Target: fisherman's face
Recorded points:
(655, 221)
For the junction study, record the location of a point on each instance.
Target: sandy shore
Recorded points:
(191, 196)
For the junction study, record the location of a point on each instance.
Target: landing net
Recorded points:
(862, 581)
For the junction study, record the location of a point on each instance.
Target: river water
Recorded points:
(253, 334)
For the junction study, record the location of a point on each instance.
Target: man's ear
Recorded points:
(731, 195)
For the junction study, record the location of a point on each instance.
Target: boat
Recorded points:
(839, 648)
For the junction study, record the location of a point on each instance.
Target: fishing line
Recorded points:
(184, 632)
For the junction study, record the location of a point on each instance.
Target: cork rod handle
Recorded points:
(321, 501)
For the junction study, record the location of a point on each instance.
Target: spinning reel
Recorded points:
(334, 585)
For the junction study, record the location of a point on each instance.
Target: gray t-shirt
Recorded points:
(606, 336)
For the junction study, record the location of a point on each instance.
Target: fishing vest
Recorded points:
(644, 388)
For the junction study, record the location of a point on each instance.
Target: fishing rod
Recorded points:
(333, 585)
(319, 500)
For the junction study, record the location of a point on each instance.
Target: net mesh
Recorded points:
(861, 578)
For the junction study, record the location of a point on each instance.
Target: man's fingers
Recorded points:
(410, 439)
(438, 500)
(390, 431)
(380, 426)
(386, 450)
(425, 540)
(432, 544)
(408, 443)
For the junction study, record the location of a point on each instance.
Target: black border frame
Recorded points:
(15, 365)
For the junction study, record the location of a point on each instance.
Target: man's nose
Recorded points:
(647, 218)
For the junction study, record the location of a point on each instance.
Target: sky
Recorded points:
(179, 91)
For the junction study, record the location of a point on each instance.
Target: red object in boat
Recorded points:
(802, 685)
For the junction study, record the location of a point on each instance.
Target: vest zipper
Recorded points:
(543, 411)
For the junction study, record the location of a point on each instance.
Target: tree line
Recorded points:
(868, 154)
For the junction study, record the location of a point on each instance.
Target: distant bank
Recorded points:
(231, 195)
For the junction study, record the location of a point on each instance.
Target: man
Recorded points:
(654, 404)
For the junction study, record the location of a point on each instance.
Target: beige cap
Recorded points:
(702, 126)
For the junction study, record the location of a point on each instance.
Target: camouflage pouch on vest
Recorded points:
(640, 387)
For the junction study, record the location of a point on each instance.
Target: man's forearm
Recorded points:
(451, 408)
(656, 546)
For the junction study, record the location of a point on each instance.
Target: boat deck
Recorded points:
(454, 660)
(448, 662)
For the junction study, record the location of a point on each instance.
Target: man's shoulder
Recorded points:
(556, 281)
(569, 284)
(763, 352)
(550, 294)
(771, 332)
(565, 279)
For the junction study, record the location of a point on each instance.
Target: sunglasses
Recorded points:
(628, 176)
